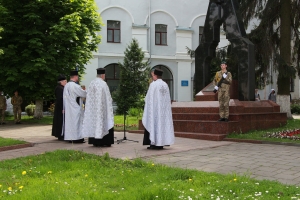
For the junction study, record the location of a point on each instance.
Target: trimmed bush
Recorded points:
(51, 109)
(30, 109)
(134, 112)
(295, 109)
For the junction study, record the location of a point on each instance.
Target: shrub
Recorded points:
(30, 109)
(295, 109)
(7, 114)
(51, 108)
(134, 112)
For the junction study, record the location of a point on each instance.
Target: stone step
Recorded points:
(204, 126)
(235, 106)
(215, 127)
(201, 116)
(232, 116)
(199, 136)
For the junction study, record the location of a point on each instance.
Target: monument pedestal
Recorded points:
(198, 119)
(207, 93)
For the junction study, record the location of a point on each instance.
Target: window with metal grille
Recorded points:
(113, 31)
(160, 34)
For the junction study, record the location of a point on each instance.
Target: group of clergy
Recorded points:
(73, 121)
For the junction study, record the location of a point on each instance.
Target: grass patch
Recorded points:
(258, 135)
(131, 122)
(9, 142)
(76, 175)
(47, 120)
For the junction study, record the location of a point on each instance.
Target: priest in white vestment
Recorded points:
(157, 116)
(73, 110)
(98, 122)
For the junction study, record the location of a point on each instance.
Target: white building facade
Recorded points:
(163, 29)
(163, 38)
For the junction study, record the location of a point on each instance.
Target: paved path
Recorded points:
(260, 161)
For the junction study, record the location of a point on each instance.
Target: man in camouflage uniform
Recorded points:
(222, 83)
(17, 101)
(3, 107)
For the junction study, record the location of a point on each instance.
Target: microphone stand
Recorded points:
(125, 138)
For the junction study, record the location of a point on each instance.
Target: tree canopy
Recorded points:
(277, 40)
(42, 39)
(279, 24)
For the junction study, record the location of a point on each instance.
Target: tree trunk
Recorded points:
(283, 82)
(285, 105)
(38, 112)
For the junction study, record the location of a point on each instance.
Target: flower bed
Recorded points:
(287, 134)
(122, 125)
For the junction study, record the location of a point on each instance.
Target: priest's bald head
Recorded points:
(101, 73)
(156, 74)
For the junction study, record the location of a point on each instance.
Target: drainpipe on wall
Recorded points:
(192, 83)
(149, 35)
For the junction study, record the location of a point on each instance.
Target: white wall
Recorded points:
(183, 19)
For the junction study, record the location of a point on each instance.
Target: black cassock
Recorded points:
(107, 140)
(58, 116)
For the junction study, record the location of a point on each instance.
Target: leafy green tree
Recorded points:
(1, 51)
(44, 38)
(279, 20)
(1, 29)
(134, 76)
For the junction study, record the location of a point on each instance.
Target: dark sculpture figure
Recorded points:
(226, 12)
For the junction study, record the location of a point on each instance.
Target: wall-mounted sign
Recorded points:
(184, 83)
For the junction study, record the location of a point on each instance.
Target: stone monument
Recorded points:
(226, 12)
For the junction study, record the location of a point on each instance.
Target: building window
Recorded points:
(201, 28)
(113, 31)
(112, 76)
(160, 34)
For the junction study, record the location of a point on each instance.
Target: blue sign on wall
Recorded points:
(184, 83)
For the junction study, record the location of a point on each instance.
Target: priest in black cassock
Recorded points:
(157, 116)
(98, 122)
(57, 130)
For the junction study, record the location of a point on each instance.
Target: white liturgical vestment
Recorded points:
(73, 111)
(98, 116)
(157, 116)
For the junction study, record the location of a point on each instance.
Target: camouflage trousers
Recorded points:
(17, 113)
(224, 97)
(2, 115)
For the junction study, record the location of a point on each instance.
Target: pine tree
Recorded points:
(279, 19)
(134, 74)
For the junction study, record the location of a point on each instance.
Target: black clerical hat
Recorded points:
(74, 73)
(158, 72)
(61, 77)
(101, 71)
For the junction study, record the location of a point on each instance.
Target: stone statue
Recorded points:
(226, 12)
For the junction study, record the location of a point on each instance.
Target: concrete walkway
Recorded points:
(260, 161)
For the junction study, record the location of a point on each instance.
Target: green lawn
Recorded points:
(9, 142)
(30, 120)
(66, 174)
(258, 135)
(131, 122)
